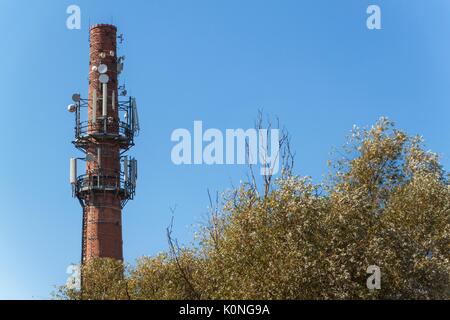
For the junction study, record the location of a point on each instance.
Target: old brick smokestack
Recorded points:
(103, 212)
(110, 177)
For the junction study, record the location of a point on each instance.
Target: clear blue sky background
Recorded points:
(312, 63)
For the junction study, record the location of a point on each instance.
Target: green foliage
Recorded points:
(386, 203)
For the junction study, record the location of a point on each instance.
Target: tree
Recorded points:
(386, 203)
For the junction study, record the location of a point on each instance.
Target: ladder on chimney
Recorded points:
(83, 237)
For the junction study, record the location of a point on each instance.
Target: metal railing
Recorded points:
(107, 126)
(105, 180)
(85, 129)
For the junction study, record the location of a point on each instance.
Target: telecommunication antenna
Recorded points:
(103, 68)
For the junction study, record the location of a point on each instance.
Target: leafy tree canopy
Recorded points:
(386, 202)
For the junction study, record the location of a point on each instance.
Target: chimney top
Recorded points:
(103, 25)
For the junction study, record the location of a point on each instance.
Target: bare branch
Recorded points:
(175, 250)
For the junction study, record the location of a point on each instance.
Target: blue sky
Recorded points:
(314, 64)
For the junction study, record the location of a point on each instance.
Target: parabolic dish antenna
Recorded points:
(90, 157)
(104, 78)
(76, 97)
(72, 108)
(103, 68)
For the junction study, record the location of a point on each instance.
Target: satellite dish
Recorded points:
(103, 68)
(102, 55)
(94, 68)
(111, 53)
(76, 97)
(104, 78)
(72, 108)
(90, 157)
